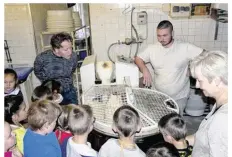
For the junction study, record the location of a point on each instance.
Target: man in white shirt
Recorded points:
(170, 60)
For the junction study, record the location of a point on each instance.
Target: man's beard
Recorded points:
(168, 42)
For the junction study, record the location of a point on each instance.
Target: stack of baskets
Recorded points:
(77, 20)
(60, 20)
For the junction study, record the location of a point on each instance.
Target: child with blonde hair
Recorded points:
(40, 140)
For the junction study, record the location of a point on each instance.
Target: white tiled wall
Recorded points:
(39, 15)
(19, 33)
(23, 24)
(109, 24)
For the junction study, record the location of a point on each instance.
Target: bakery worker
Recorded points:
(170, 60)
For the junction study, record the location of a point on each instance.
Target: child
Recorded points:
(173, 129)
(11, 83)
(62, 132)
(41, 93)
(12, 105)
(40, 140)
(80, 123)
(16, 114)
(20, 119)
(55, 87)
(9, 142)
(126, 122)
(162, 149)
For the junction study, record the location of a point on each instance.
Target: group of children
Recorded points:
(47, 129)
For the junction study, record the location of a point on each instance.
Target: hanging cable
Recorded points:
(108, 51)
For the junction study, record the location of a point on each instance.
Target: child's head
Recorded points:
(126, 121)
(162, 149)
(41, 93)
(55, 87)
(10, 80)
(9, 137)
(21, 114)
(81, 120)
(172, 127)
(62, 121)
(12, 106)
(42, 115)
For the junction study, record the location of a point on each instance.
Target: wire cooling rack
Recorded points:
(150, 104)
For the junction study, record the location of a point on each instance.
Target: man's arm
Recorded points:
(38, 69)
(147, 79)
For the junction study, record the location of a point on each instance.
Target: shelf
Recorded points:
(78, 39)
(78, 50)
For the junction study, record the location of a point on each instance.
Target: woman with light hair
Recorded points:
(211, 72)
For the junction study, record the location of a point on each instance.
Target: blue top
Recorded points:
(36, 145)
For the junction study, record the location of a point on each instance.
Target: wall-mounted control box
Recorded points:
(142, 18)
(182, 10)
